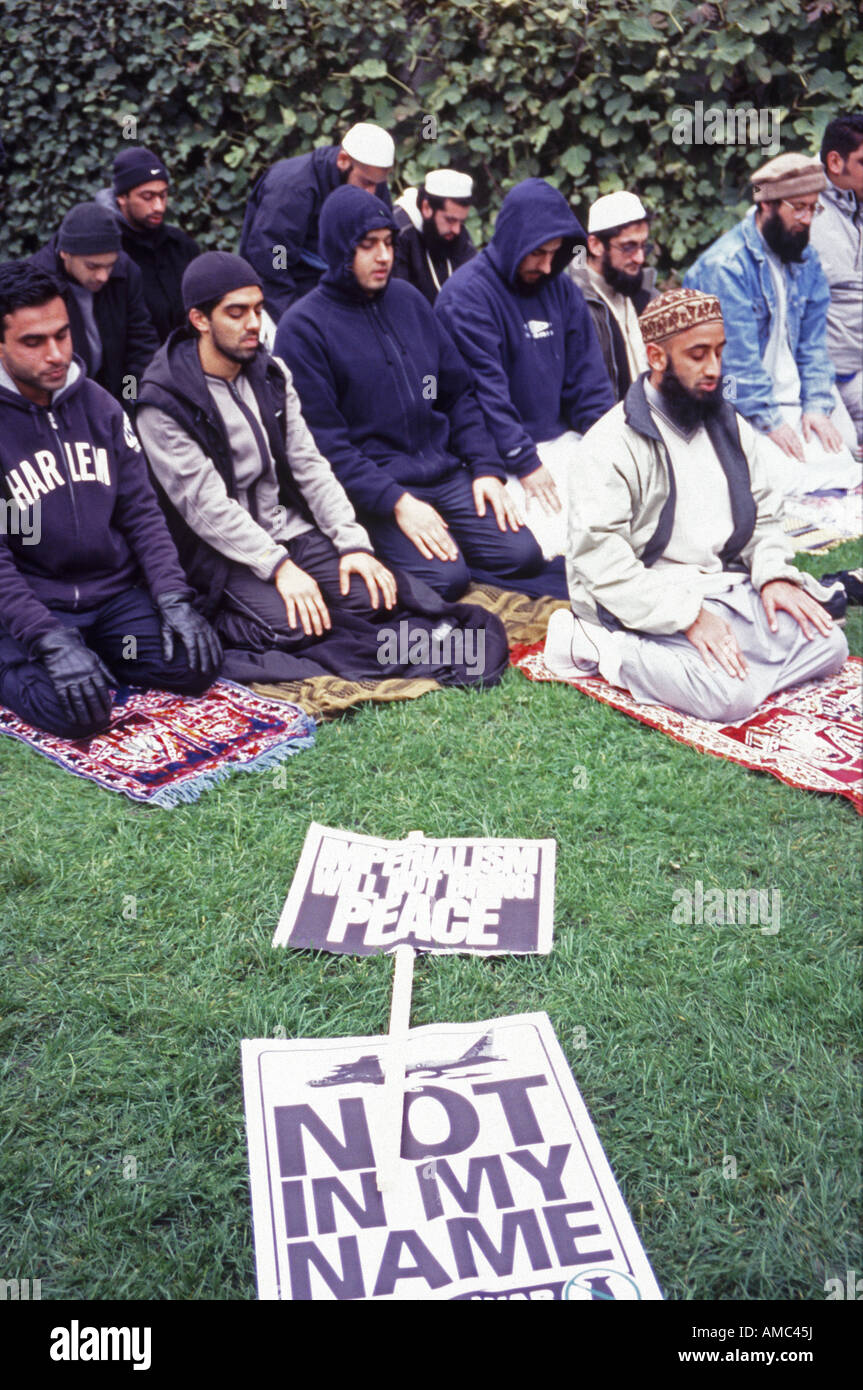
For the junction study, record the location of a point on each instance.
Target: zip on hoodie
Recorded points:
(64, 462)
(389, 337)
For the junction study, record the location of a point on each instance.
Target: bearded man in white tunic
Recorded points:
(680, 577)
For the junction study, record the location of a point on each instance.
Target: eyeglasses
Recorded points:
(629, 248)
(806, 210)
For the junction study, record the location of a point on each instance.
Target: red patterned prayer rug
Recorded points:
(809, 737)
(165, 749)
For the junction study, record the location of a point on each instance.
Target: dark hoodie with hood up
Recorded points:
(283, 211)
(534, 350)
(77, 469)
(388, 397)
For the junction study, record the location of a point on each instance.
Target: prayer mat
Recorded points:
(165, 749)
(819, 522)
(326, 697)
(809, 737)
(525, 619)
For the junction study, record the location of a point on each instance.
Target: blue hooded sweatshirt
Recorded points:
(89, 525)
(533, 349)
(386, 394)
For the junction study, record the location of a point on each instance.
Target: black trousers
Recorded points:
(126, 633)
(259, 600)
(364, 643)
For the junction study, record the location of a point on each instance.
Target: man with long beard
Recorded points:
(775, 298)
(616, 283)
(680, 575)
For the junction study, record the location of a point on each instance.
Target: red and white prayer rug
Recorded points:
(810, 737)
(166, 749)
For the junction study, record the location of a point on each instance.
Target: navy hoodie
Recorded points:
(384, 390)
(283, 212)
(534, 350)
(91, 526)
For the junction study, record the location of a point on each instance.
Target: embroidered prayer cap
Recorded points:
(615, 210)
(448, 183)
(368, 144)
(676, 311)
(788, 176)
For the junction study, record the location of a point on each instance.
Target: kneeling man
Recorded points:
(265, 530)
(679, 572)
(91, 591)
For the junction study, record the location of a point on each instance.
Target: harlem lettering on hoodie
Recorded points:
(78, 465)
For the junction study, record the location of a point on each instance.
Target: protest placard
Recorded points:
(361, 895)
(510, 1193)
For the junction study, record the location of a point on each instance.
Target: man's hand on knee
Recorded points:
(811, 422)
(180, 619)
(304, 604)
(490, 489)
(377, 577)
(713, 637)
(80, 679)
(539, 486)
(425, 527)
(788, 441)
(779, 594)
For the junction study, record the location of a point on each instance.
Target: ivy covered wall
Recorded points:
(589, 94)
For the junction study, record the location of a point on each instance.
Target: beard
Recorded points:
(618, 279)
(439, 247)
(788, 246)
(685, 407)
(242, 355)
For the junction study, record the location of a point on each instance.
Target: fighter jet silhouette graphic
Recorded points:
(368, 1069)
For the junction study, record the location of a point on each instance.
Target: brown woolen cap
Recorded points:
(788, 176)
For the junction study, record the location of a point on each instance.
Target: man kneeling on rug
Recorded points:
(266, 532)
(88, 572)
(679, 571)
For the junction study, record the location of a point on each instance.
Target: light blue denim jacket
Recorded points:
(735, 269)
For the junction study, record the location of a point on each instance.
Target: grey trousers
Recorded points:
(671, 671)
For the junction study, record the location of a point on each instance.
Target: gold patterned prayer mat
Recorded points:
(525, 619)
(326, 697)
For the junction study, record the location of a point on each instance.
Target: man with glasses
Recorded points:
(775, 298)
(616, 284)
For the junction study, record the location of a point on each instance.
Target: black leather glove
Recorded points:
(80, 679)
(203, 647)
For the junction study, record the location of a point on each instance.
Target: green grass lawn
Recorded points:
(136, 955)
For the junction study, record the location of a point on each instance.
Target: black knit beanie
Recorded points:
(88, 230)
(135, 166)
(215, 274)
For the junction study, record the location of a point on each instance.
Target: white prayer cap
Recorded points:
(368, 144)
(448, 183)
(615, 210)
